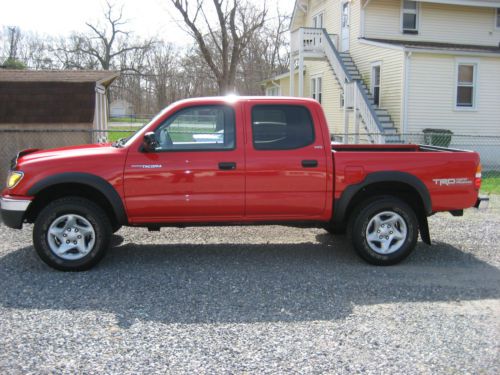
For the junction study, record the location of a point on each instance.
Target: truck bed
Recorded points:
(392, 148)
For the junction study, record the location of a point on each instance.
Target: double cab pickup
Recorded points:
(235, 161)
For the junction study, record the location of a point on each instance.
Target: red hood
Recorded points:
(64, 152)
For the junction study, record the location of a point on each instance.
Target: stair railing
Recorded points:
(333, 56)
(362, 104)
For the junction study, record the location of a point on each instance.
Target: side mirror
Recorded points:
(150, 143)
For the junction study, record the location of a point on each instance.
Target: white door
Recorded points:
(345, 27)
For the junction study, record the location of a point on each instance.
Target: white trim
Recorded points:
(383, 45)
(316, 94)
(417, 20)
(475, 84)
(341, 46)
(472, 3)
(373, 65)
(362, 22)
(456, 53)
(406, 90)
(428, 50)
(269, 90)
(317, 14)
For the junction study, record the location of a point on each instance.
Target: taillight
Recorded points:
(477, 179)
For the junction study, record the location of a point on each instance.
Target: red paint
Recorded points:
(266, 185)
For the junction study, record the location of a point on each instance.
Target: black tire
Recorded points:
(377, 207)
(72, 206)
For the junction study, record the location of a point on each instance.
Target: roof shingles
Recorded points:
(11, 75)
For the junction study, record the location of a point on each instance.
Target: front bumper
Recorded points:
(12, 211)
(482, 203)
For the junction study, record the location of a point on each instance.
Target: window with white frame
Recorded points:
(273, 91)
(317, 88)
(466, 85)
(409, 17)
(318, 21)
(497, 18)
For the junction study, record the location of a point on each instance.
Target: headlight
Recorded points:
(14, 178)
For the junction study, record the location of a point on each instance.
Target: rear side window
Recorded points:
(281, 127)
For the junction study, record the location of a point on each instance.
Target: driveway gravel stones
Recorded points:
(256, 300)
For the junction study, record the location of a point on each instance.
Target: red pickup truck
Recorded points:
(235, 160)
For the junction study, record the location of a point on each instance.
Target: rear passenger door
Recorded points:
(286, 164)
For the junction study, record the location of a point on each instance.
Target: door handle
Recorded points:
(309, 163)
(227, 166)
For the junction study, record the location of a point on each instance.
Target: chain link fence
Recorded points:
(14, 140)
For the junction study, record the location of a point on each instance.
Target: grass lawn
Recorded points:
(117, 133)
(129, 120)
(491, 183)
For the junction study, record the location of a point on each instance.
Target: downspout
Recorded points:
(406, 88)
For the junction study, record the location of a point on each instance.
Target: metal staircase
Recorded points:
(383, 116)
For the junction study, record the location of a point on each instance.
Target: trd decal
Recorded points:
(452, 181)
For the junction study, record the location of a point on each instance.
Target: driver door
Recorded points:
(195, 174)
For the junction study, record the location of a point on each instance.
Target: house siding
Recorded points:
(437, 23)
(431, 99)
(391, 70)
(330, 95)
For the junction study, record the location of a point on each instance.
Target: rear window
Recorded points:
(281, 127)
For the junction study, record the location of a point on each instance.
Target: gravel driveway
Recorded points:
(256, 300)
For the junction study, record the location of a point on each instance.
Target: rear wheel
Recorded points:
(384, 230)
(71, 234)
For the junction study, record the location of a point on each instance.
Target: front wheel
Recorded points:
(71, 234)
(383, 231)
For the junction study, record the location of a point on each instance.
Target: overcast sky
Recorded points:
(147, 17)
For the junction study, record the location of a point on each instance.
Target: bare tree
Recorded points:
(102, 45)
(265, 56)
(11, 49)
(237, 21)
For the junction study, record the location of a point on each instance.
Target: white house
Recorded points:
(120, 108)
(393, 67)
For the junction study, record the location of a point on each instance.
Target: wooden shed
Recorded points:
(43, 109)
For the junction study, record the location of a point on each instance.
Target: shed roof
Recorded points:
(104, 77)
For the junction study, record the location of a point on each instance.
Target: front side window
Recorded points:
(210, 127)
(409, 17)
(317, 88)
(281, 127)
(466, 85)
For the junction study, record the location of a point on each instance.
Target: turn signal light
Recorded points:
(477, 179)
(14, 178)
